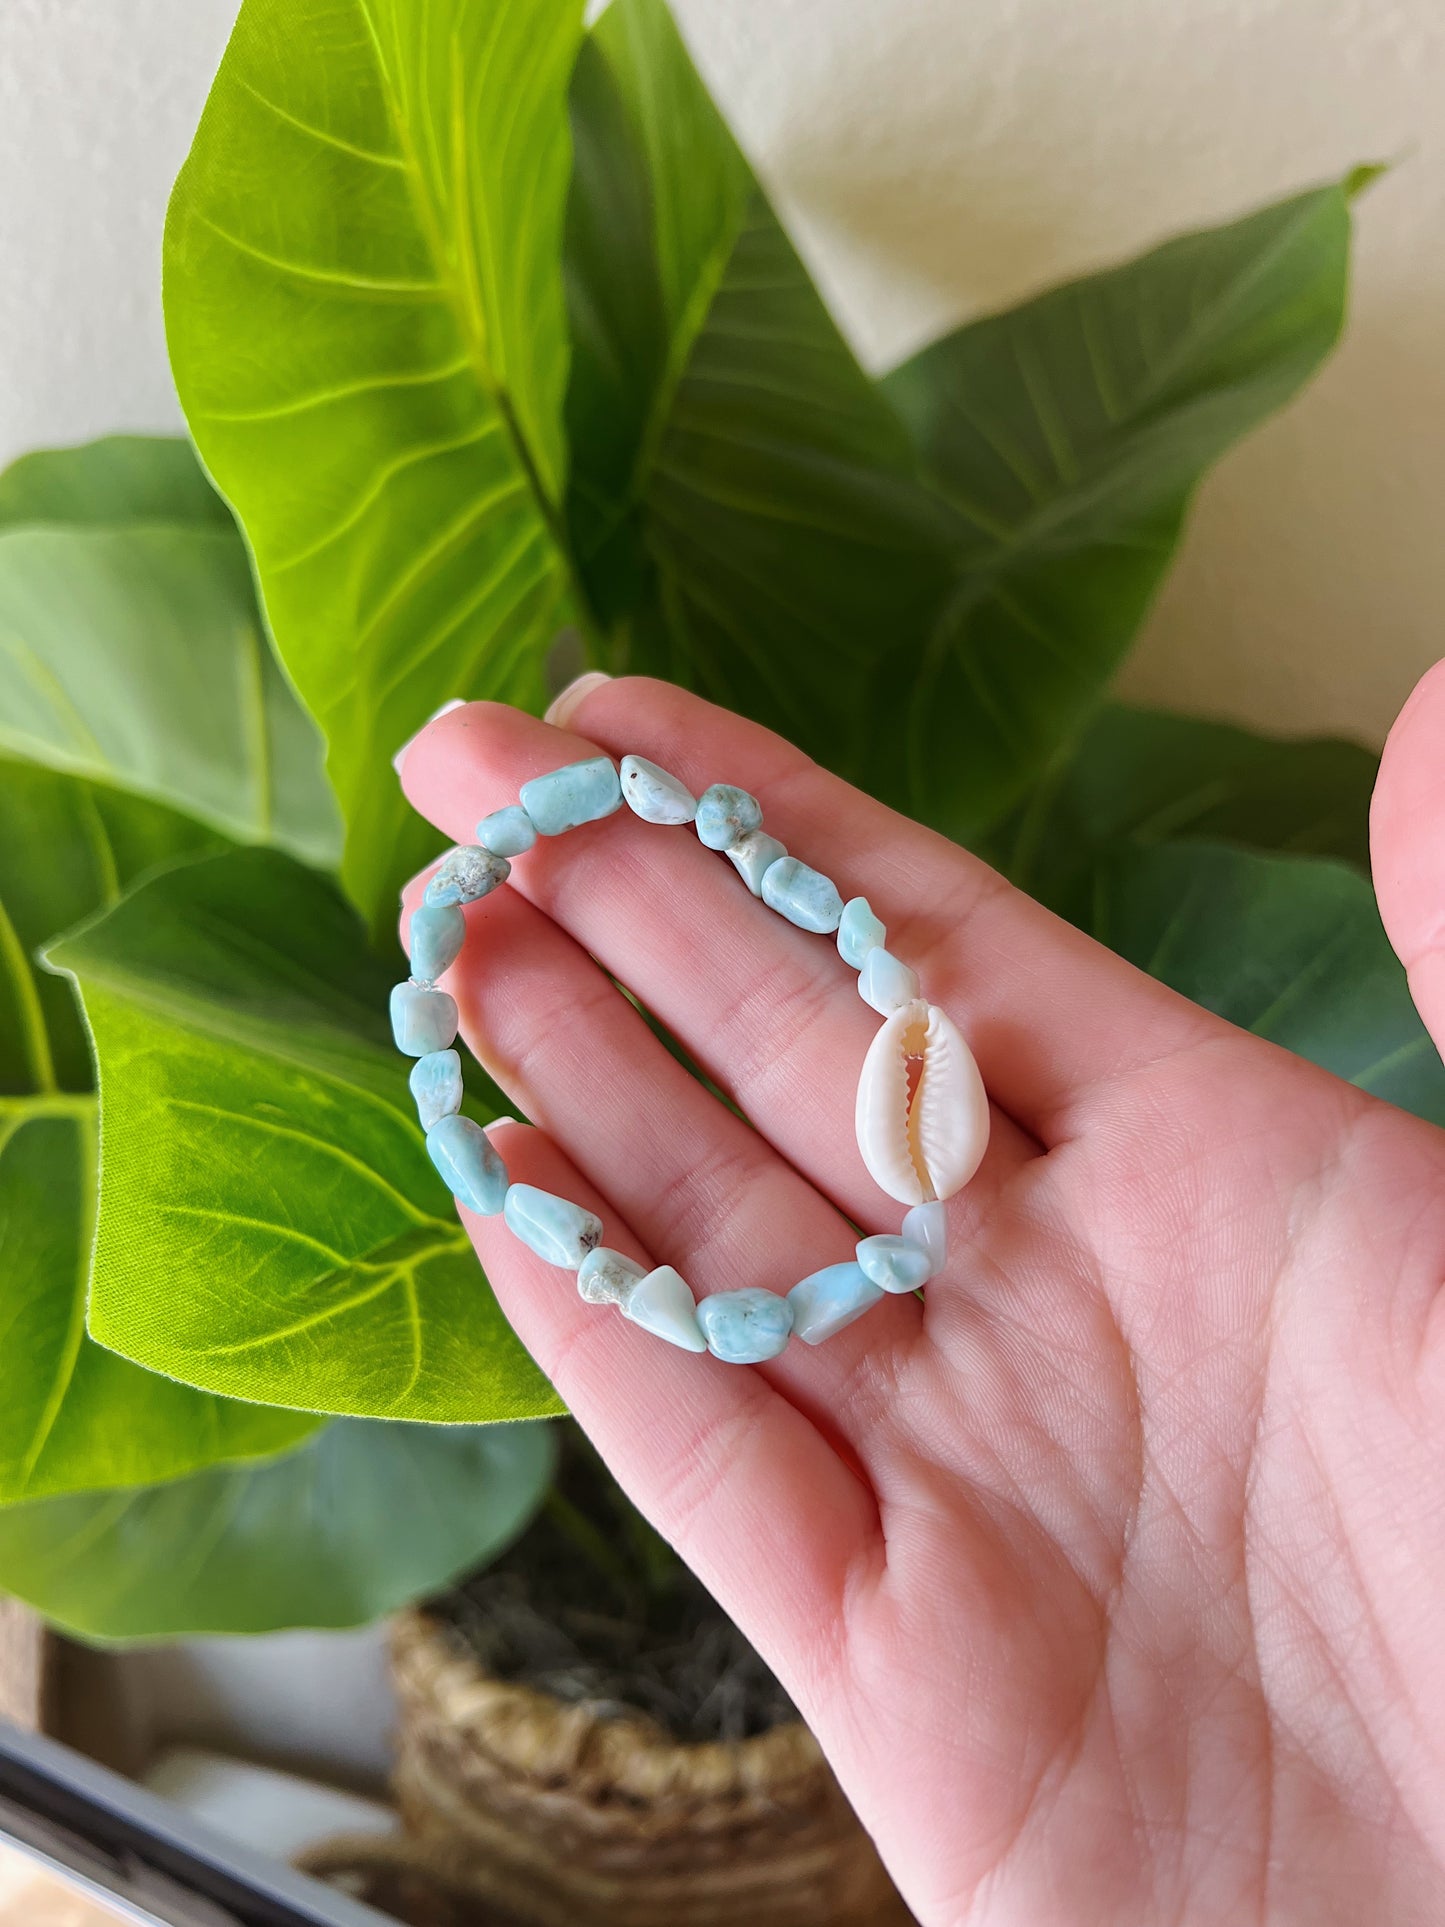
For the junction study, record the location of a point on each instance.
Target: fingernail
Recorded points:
(457, 702)
(565, 704)
(500, 1120)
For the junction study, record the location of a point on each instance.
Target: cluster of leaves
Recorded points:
(144, 724)
(485, 329)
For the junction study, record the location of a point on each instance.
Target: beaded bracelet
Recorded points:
(922, 1113)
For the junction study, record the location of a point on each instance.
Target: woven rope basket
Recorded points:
(548, 1816)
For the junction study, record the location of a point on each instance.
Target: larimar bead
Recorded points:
(577, 793)
(422, 1019)
(752, 856)
(436, 1084)
(663, 1305)
(859, 931)
(434, 939)
(885, 983)
(805, 897)
(607, 1277)
(827, 1300)
(655, 794)
(745, 1327)
(461, 1151)
(464, 874)
(724, 813)
(507, 832)
(893, 1263)
(926, 1226)
(556, 1229)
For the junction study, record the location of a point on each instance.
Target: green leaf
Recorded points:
(366, 322)
(271, 1226)
(136, 656)
(1155, 777)
(749, 519)
(1290, 948)
(121, 481)
(1069, 435)
(744, 507)
(352, 1525)
(75, 1416)
(69, 849)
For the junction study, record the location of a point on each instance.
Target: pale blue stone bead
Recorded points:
(859, 931)
(654, 793)
(606, 1277)
(507, 832)
(461, 1151)
(422, 1019)
(662, 1303)
(434, 939)
(805, 897)
(893, 1263)
(745, 1327)
(752, 856)
(724, 813)
(827, 1300)
(885, 983)
(556, 1229)
(576, 793)
(926, 1226)
(436, 1084)
(464, 874)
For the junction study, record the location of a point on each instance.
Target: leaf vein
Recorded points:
(322, 135)
(348, 278)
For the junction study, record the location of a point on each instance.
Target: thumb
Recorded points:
(1407, 845)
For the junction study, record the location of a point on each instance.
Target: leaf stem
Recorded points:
(34, 1034)
(1034, 817)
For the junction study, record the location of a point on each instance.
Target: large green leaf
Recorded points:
(1290, 948)
(1068, 435)
(366, 322)
(72, 1415)
(744, 507)
(1155, 777)
(120, 481)
(352, 1525)
(271, 1226)
(136, 655)
(69, 849)
(747, 519)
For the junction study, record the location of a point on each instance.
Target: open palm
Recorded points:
(1109, 1573)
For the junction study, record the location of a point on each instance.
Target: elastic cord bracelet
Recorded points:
(922, 1113)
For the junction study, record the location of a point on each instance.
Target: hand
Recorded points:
(1110, 1574)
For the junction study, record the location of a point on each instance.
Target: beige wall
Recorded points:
(937, 158)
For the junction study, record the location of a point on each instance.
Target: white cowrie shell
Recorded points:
(928, 1146)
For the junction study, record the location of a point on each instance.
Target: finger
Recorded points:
(1407, 846)
(703, 1192)
(715, 1457)
(701, 1188)
(537, 988)
(760, 1003)
(797, 1079)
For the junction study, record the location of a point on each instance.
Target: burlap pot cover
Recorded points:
(554, 1817)
(394, 1877)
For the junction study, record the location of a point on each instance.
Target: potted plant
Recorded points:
(486, 335)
